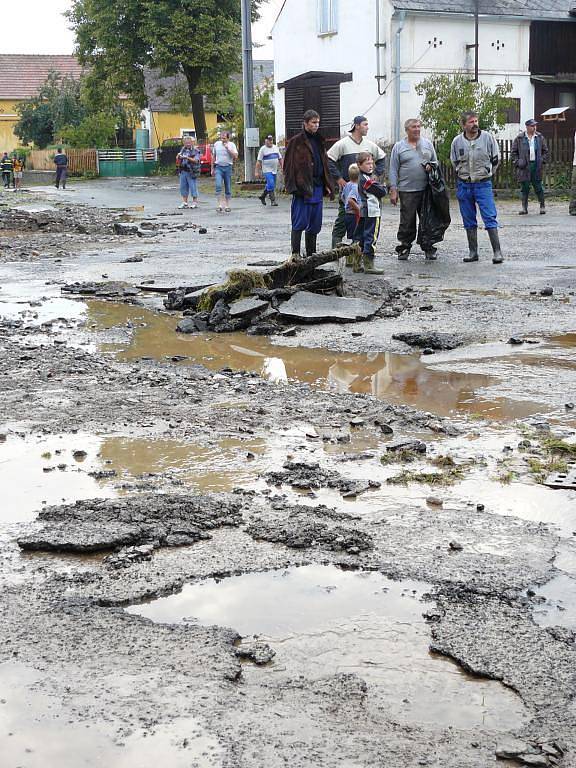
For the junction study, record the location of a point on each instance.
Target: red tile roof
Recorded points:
(22, 75)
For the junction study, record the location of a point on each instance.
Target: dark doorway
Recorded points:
(314, 90)
(547, 95)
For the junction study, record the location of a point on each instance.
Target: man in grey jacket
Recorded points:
(408, 179)
(475, 156)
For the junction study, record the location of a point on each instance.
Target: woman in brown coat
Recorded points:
(307, 178)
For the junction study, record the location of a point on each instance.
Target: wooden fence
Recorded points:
(557, 171)
(79, 160)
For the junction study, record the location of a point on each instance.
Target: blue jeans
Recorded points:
(223, 174)
(478, 194)
(270, 181)
(188, 184)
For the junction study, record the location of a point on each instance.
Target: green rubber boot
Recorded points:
(369, 267)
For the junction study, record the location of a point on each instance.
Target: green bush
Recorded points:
(97, 130)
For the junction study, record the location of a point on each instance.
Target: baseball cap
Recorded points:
(357, 120)
(270, 136)
(531, 122)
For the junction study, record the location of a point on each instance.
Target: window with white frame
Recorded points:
(327, 17)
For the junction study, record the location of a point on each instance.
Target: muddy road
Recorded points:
(353, 546)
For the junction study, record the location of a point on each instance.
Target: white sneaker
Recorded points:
(183, 205)
(193, 205)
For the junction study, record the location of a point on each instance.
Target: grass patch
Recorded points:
(541, 469)
(240, 284)
(436, 479)
(556, 445)
(443, 462)
(400, 457)
(506, 477)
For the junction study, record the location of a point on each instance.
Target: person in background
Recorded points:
(188, 162)
(572, 207)
(18, 170)
(351, 199)
(6, 168)
(475, 156)
(529, 154)
(371, 192)
(61, 163)
(408, 180)
(267, 164)
(307, 179)
(340, 157)
(224, 154)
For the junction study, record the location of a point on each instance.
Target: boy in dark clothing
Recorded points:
(351, 201)
(61, 163)
(370, 192)
(6, 168)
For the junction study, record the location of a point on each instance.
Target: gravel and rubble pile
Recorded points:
(160, 520)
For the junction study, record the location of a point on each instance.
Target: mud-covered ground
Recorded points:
(326, 549)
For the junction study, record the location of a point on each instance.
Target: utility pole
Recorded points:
(476, 44)
(248, 92)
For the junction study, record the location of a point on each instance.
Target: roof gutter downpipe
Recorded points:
(399, 28)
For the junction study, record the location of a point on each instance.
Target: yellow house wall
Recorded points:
(8, 119)
(167, 125)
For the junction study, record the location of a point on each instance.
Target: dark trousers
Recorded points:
(351, 223)
(6, 175)
(339, 228)
(535, 182)
(410, 206)
(572, 208)
(61, 175)
(367, 233)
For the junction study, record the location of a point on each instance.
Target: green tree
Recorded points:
(200, 39)
(42, 118)
(447, 96)
(230, 105)
(64, 104)
(98, 130)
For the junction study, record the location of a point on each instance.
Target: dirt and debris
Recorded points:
(160, 520)
(176, 485)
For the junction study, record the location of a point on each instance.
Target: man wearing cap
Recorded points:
(341, 156)
(529, 153)
(267, 165)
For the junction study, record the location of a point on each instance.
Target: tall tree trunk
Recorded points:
(192, 75)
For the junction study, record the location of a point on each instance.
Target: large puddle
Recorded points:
(395, 378)
(558, 608)
(322, 620)
(44, 470)
(36, 731)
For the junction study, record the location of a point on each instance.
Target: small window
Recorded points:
(512, 112)
(567, 99)
(327, 22)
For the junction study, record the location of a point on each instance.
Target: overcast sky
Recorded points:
(37, 26)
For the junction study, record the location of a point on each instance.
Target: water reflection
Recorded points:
(389, 376)
(321, 620)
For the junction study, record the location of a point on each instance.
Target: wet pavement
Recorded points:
(460, 549)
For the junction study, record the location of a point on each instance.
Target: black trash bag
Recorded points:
(435, 211)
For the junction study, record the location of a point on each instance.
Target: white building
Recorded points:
(352, 57)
